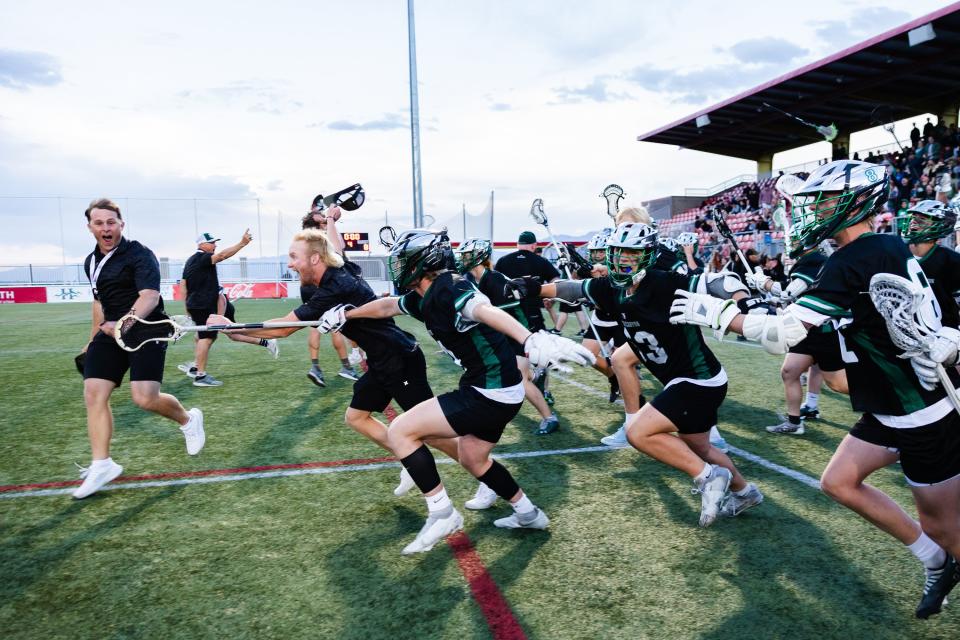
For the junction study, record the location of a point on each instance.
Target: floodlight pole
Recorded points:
(414, 120)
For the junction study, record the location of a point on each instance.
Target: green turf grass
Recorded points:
(319, 556)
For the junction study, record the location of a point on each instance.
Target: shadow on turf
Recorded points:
(25, 561)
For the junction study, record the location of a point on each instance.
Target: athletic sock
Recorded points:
(315, 362)
(700, 477)
(628, 418)
(794, 420)
(742, 492)
(525, 509)
(928, 552)
(264, 342)
(105, 461)
(439, 504)
(812, 399)
(345, 362)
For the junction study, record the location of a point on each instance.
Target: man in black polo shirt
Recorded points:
(201, 289)
(125, 277)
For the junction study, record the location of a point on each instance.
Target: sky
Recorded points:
(217, 116)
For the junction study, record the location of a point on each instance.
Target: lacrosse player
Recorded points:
(695, 383)
(125, 278)
(906, 415)
(464, 322)
(607, 323)
(928, 222)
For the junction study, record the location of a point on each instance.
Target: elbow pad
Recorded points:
(795, 289)
(720, 285)
(776, 334)
(569, 290)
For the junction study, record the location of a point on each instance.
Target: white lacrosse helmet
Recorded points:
(629, 239)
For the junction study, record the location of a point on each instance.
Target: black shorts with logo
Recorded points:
(823, 347)
(199, 317)
(691, 407)
(106, 360)
(404, 380)
(928, 454)
(470, 412)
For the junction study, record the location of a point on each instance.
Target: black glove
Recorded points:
(521, 288)
(751, 305)
(79, 360)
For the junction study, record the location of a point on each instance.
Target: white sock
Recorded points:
(743, 491)
(812, 399)
(707, 468)
(928, 552)
(629, 418)
(715, 433)
(438, 502)
(101, 463)
(523, 505)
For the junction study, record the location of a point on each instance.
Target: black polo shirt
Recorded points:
(203, 285)
(526, 263)
(129, 269)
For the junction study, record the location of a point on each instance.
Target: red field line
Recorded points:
(503, 625)
(198, 474)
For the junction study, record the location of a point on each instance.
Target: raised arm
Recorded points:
(229, 252)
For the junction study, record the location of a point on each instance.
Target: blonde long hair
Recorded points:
(317, 243)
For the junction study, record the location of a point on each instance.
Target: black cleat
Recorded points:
(549, 398)
(809, 414)
(939, 583)
(614, 388)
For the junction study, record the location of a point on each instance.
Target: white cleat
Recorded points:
(189, 368)
(433, 531)
(95, 476)
(193, 432)
(406, 483)
(713, 491)
(274, 348)
(484, 498)
(616, 440)
(735, 505)
(513, 521)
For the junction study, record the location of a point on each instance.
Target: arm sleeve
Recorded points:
(146, 274)
(572, 291)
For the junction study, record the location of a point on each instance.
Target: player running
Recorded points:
(928, 222)
(906, 417)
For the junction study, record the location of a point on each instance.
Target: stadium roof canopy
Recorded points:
(877, 81)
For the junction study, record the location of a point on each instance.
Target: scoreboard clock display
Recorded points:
(355, 241)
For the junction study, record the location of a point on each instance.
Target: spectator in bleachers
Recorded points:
(717, 262)
(753, 196)
(931, 151)
(927, 129)
(914, 136)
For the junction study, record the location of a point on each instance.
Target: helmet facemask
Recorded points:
(626, 266)
(928, 221)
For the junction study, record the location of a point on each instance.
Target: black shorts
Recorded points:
(230, 312)
(403, 380)
(106, 360)
(570, 308)
(691, 407)
(607, 334)
(470, 412)
(199, 317)
(928, 454)
(823, 347)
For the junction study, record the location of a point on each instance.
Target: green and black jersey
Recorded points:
(668, 261)
(881, 382)
(808, 267)
(942, 268)
(669, 351)
(484, 353)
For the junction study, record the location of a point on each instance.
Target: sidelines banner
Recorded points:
(75, 293)
(235, 291)
(19, 295)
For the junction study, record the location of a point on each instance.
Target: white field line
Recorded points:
(285, 473)
(746, 455)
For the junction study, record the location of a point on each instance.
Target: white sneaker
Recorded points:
(193, 432)
(616, 440)
(787, 427)
(482, 499)
(735, 505)
(189, 368)
(95, 476)
(406, 483)
(713, 491)
(513, 521)
(433, 531)
(274, 348)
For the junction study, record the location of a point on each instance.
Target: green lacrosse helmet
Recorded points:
(928, 221)
(836, 196)
(415, 253)
(472, 252)
(628, 240)
(597, 247)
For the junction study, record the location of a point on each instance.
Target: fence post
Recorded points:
(30, 269)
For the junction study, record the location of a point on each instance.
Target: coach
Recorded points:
(524, 262)
(125, 278)
(201, 287)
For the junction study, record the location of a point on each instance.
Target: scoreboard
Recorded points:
(355, 241)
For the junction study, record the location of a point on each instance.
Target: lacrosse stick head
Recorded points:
(388, 236)
(349, 199)
(132, 333)
(537, 213)
(899, 302)
(613, 194)
(829, 132)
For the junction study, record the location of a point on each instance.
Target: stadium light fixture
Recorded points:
(923, 33)
(703, 121)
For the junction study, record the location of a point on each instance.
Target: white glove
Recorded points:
(355, 357)
(757, 280)
(702, 310)
(545, 349)
(926, 370)
(333, 319)
(944, 345)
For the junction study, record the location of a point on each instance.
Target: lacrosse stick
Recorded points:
(829, 132)
(613, 194)
(900, 302)
(726, 233)
(349, 199)
(538, 215)
(174, 328)
(882, 116)
(388, 236)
